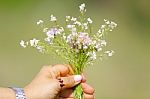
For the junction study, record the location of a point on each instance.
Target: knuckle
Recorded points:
(92, 90)
(44, 68)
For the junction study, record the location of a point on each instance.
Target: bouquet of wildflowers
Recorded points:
(75, 42)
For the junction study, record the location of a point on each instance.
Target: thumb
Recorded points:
(70, 81)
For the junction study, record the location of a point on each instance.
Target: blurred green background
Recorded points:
(126, 75)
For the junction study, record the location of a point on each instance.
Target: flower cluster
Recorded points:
(76, 38)
(76, 42)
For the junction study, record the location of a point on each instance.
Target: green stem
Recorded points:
(78, 92)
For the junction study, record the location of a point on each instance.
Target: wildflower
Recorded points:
(85, 26)
(85, 47)
(73, 19)
(100, 31)
(106, 21)
(82, 8)
(40, 48)
(64, 37)
(109, 53)
(70, 26)
(45, 29)
(52, 32)
(39, 22)
(77, 23)
(68, 18)
(112, 25)
(23, 44)
(34, 42)
(49, 40)
(69, 38)
(53, 18)
(61, 29)
(103, 43)
(92, 55)
(103, 26)
(89, 20)
(84, 38)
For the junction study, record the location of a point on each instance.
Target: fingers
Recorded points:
(70, 81)
(87, 88)
(56, 70)
(83, 78)
(68, 94)
(88, 96)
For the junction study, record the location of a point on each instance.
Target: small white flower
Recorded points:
(64, 37)
(89, 20)
(74, 34)
(82, 7)
(47, 39)
(92, 55)
(61, 29)
(77, 23)
(23, 44)
(98, 47)
(103, 26)
(73, 19)
(34, 42)
(85, 26)
(100, 31)
(106, 21)
(113, 25)
(85, 47)
(74, 30)
(68, 18)
(53, 31)
(103, 42)
(40, 48)
(53, 18)
(45, 29)
(70, 26)
(39, 22)
(109, 53)
(69, 38)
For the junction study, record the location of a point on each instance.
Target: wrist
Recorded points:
(6, 93)
(27, 93)
(19, 92)
(30, 94)
(11, 93)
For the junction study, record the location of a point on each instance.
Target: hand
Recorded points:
(47, 86)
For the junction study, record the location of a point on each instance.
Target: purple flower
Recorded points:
(52, 32)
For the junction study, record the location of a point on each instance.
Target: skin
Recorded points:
(47, 86)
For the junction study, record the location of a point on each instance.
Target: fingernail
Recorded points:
(77, 78)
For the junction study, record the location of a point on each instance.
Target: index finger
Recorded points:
(87, 88)
(59, 70)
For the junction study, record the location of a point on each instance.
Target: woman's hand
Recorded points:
(47, 86)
